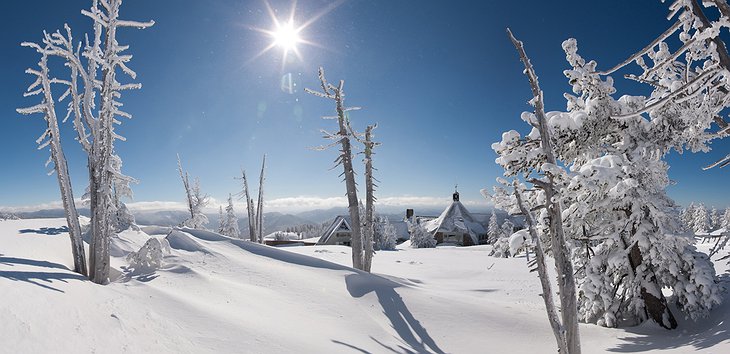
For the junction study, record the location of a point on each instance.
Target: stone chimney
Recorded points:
(409, 213)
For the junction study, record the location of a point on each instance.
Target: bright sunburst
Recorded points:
(286, 34)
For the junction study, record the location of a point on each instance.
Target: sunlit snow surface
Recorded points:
(215, 294)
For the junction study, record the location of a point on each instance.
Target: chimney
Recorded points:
(409, 213)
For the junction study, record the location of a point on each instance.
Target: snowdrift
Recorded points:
(217, 294)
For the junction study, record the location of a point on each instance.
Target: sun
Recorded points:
(286, 36)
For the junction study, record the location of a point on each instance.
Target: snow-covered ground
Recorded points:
(215, 294)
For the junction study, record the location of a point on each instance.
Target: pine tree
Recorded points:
(493, 230)
(420, 238)
(714, 219)
(384, 234)
(230, 225)
(701, 220)
(221, 220)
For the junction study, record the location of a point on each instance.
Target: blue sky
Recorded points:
(441, 79)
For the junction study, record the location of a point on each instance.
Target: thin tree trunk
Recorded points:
(563, 265)
(260, 204)
(352, 202)
(64, 179)
(542, 271)
(250, 209)
(369, 201)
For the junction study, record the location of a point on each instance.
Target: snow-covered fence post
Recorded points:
(563, 265)
(342, 137)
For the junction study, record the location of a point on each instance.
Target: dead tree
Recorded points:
(342, 137)
(368, 225)
(51, 137)
(563, 265)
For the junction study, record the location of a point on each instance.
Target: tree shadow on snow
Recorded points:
(410, 331)
(42, 279)
(700, 335)
(51, 231)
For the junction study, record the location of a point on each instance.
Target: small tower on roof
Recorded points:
(456, 193)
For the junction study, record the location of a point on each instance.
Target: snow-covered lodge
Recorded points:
(454, 225)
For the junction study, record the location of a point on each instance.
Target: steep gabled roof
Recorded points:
(456, 218)
(341, 222)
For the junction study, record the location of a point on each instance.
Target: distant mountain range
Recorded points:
(273, 221)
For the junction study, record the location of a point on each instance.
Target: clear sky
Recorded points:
(440, 78)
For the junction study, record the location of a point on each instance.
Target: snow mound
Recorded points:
(184, 241)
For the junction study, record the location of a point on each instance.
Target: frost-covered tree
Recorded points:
(94, 91)
(384, 234)
(615, 191)
(221, 219)
(342, 138)
(368, 227)
(195, 198)
(250, 208)
(701, 222)
(123, 219)
(507, 228)
(725, 223)
(149, 257)
(538, 160)
(714, 219)
(230, 225)
(260, 205)
(255, 212)
(420, 238)
(51, 137)
(493, 230)
(687, 216)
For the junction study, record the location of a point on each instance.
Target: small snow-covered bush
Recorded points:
(149, 257)
(420, 238)
(501, 248)
(385, 235)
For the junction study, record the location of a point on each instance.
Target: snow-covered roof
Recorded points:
(341, 222)
(456, 218)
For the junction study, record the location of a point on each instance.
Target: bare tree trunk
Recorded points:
(563, 265)
(260, 204)
(186, 185)
(542, 271)
(369, 200)
(250, 209)
(343, 138)
(52, 134)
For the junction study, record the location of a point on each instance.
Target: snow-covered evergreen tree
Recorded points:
(507, 228)
(420, 238)
(123, 219)
(230, 225)
(725, 223)
(615, 193)
(701, 222)
(687, 216)
(221, 220)
(384, 234)
(715, 219)
(494, 232)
